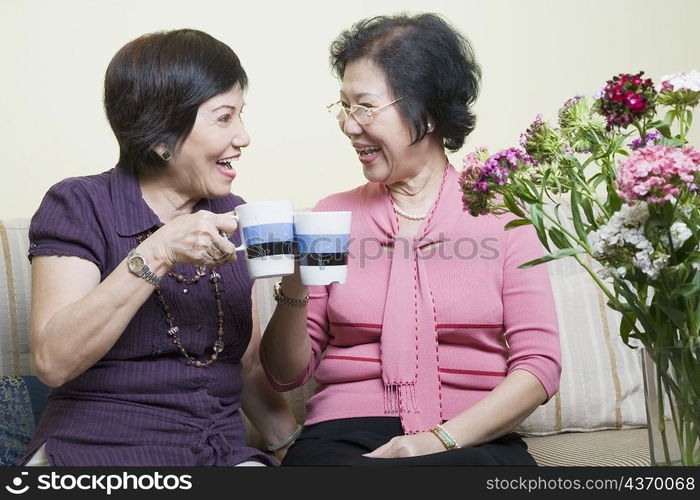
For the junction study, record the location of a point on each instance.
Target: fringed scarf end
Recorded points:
(400, 398)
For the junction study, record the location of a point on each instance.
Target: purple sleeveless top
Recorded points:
(141, 404)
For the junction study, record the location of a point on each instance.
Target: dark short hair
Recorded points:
(154, 86)
(425, 58)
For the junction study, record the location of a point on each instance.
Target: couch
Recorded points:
(597, 418)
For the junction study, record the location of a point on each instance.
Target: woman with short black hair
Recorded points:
(142, 317)
(430, 354)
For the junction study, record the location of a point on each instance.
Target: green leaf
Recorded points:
(587, 162)
(673, 142)
(543, 183)
(596, 180)
(634, 301)
(678, 317)
(687, 248)
(517, 223)
(558, 238)
(627, 323)
(510, 203)
(614, 201)
(689, 289)
(537, 217)
(529, 190)
(565, 252)
(588, 210)
(576, 215)
(654, 225)
(665, 130)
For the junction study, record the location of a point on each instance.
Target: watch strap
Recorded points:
(281, 298)
(150, 276)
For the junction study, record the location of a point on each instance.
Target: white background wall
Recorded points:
(534, 55)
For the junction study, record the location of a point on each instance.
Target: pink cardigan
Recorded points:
(492, 318)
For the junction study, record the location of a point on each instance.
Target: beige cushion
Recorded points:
(15, 298)
(601, 383)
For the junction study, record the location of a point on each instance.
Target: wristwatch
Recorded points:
(288, 301)
(137, 265)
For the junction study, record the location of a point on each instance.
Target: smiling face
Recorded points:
(202, 167)
(384, 145)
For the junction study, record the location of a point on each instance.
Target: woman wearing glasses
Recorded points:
(438, 346)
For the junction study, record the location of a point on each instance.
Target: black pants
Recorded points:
(344, 441)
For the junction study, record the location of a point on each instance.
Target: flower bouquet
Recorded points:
(614, 184)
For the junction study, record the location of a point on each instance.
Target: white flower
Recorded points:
(679, 234)
(684, 81)
(625, 231)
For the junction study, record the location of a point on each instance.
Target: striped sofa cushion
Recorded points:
(601, 382)
(627, 448)
(15, 298)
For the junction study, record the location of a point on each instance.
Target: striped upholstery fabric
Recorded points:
(15, 298)
(629, 448)
(601, 384)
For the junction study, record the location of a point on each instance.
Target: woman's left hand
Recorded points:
(411, 445)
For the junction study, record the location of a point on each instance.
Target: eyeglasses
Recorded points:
(362, 114)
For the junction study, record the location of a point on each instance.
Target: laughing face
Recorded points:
(383, 146)
(203, 165)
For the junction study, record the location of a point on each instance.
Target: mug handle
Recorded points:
(242, 246)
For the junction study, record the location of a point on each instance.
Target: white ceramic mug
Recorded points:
(322, 240)
(267, 233)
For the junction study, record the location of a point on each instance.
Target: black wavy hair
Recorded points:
(423, 57)
(154, 86)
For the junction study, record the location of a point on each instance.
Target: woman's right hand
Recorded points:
(201, 238)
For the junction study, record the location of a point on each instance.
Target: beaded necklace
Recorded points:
(408, 216)
(215, 279)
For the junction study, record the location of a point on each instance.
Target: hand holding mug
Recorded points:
(196, 238)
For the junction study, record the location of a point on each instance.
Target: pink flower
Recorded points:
(656, 173)
(681, 81)
(482, 173)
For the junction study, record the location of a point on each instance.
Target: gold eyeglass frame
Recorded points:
(345, 113)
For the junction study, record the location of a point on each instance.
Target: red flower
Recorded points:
(626, 99)
(635, 102)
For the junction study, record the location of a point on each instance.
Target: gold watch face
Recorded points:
(136, 263)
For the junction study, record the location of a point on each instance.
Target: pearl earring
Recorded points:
(430, 127)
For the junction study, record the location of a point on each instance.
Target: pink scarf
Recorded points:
(409, 348)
